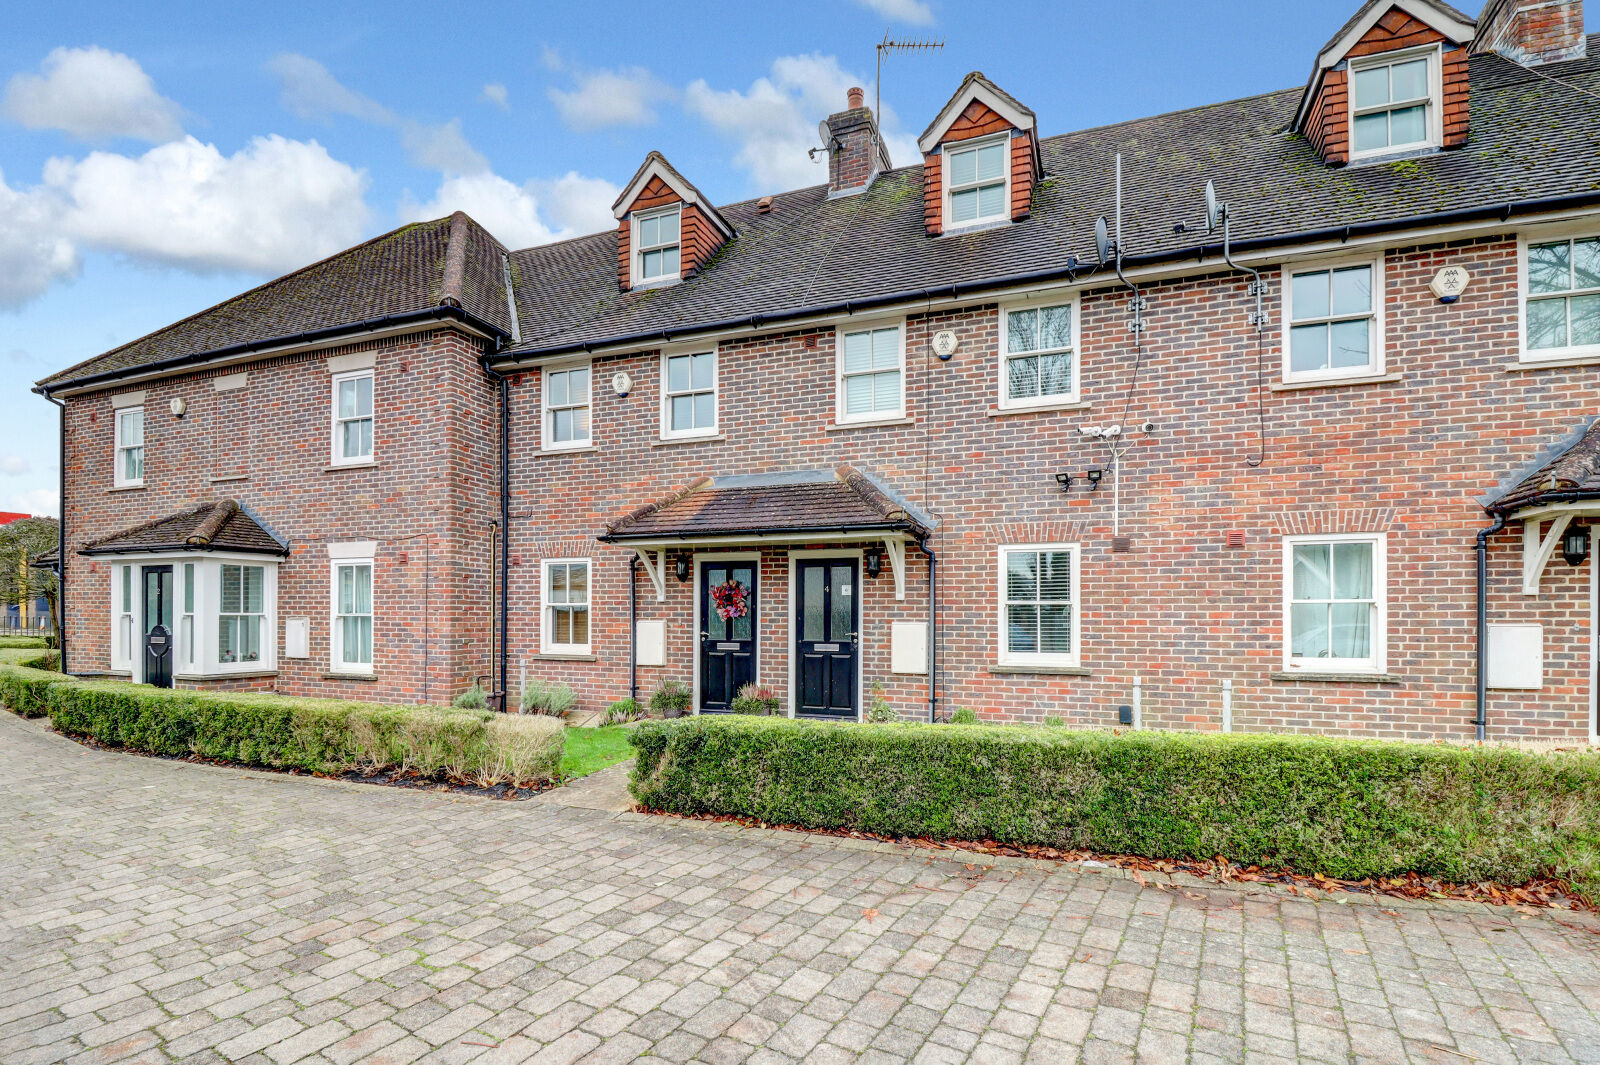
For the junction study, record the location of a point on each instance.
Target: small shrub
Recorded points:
(880, 712)
(1055, 722)
(35, 642)
(757, 699)
(671, 699)
(964, 715)
(552, 700)
(473, 698)
(623, 710)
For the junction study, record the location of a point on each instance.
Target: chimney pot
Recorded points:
(856, 153)
(857, 97)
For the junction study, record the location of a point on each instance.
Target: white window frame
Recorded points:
(122, 614)
(1372, 666)
(667, 431)
(1433, 119)
(335, 451)
(187, 589)
(639, 249)
(545, 408)
(1586, 230)
(950, 189)
(1375, 368)
(263, 637)
(547, 643)
(1005, 400)
(197, 634)
(336, 663)
(118, 478)
(1049, 659)
(840, 414)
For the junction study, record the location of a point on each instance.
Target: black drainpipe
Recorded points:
(61, 531)
(933, 630)
(502, 695)
(633, 629)
(1482, 720)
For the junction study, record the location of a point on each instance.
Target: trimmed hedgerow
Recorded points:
(31, 642)
(1344, 808)
(25, 676)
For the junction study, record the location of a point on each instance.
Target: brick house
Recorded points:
(926, 433)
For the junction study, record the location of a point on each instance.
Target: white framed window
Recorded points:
(870, 382)
(1394, 102)
(564, 605)
(128, 471)
(186, 618)
(1037, 586)
(977, 181)
(688, 394)
(352, 615)
(1560, 279)
(122, 617)
(566, 406)
(1334, 603)
(352, 418)
(1333, 320)
(1039, 353)
(241, 613)
(656, 245)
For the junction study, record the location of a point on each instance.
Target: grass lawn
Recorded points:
(591, 749)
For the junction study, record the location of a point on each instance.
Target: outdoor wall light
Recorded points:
(874, 562)
(681, 569)
(1094, 476)
(1575, 544)
(1065, 481)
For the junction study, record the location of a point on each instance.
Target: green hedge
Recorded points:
(321, 735)
(23, 641)
(25, 676)
(1344, 808)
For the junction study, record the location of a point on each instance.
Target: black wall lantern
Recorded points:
(1065, 481)
(874, 561)
(1575, 544)
(1094, 476)
(681, 568)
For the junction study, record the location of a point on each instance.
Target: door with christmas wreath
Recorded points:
(727, 632)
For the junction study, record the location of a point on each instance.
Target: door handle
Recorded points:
(704, 635)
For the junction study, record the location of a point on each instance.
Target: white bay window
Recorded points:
(220, 611)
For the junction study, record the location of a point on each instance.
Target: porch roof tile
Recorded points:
(223, 525)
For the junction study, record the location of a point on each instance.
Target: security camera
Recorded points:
(1089, 430)
(1147, 427)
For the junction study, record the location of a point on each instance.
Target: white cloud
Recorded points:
(775, 120)
(517, 214)
(43, 502)
(496, 94)
(274, 205)
(602, 98)
(578, 204)
(914, 11)
(33, 254)
(14, 465)
(311, 91)
(94, 95)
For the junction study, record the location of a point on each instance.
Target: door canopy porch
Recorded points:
(223, 526)
(800, 506)
(1560, 485)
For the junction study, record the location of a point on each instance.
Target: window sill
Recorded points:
(335, 467)
(879, 423)
(586, 449)
(674, 441)
(556, 656)
(1339, 678)
(350, 676)
(242, 675)
(230, 479)
(1336, 382)
(1527, 362)
(998, 222)
(1043, 408)
(126, 488)
(1044, 671)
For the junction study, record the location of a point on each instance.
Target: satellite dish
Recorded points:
(825, 137)
(1102, 240)
(1214, 208)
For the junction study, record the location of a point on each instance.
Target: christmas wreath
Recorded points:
(732, 600)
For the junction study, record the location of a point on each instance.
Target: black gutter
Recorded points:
(933, 631)
(168, 549)
(61, 531)
(444, 310)
(1481, 721)
(765, 531)
(955, 290)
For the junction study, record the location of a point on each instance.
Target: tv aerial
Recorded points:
(1109, 251)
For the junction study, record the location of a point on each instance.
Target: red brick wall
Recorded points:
(1181, 611)
(978, 120)
(854, 162)
(699, 236)
(1532, 31)
(428, 502)
(1327, 124)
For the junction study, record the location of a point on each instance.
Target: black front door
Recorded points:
(727, 631)
(158, 626)
(828, 626)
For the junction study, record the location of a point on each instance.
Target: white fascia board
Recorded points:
(958, 103)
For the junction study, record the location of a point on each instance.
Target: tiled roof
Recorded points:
(806, 501)
(398, 273)
(219, 526)
(1530, 140)
(1568, 470)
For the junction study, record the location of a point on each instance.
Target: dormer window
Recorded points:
(977, 188)
(1394, 103)
(656, 244)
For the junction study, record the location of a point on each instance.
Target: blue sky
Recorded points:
(156, 158)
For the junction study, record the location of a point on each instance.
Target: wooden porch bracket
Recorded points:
(1536, 550)
(896, 549)
(656, 570)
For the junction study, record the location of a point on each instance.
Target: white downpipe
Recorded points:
(1138, 702)
(1227, 706)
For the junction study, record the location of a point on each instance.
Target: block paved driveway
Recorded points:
(154, 911)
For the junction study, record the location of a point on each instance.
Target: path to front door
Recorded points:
(727, 631)
(158, 626)
(827, 646)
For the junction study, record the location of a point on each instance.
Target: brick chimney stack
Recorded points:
(855, 150)
(1532, 32)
